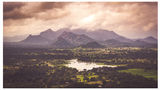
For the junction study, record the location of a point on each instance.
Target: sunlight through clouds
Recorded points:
(132, 19)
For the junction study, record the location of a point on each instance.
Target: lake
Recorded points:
(80, 66)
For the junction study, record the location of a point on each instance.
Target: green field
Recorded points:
(89, 77)
(142, 72)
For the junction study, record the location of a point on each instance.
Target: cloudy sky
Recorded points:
(129, 19)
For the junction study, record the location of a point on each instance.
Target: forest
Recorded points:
(46, 68)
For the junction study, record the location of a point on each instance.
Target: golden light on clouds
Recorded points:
(133, 19)
(88, 19)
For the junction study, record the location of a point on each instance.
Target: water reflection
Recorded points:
(80, 66)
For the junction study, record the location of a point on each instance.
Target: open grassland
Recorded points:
(142, 72)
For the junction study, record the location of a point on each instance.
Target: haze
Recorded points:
(132, 19)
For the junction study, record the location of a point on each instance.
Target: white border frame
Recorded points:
(1, 39)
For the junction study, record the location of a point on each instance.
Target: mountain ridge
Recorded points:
(77, 37)
(74, 39)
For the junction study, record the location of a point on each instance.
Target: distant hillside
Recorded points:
(62, 43)
(49, 34)
(67, 38)
(149, 39)
(116, 43)
(140, 43)
(35, 39)
(75, 39)
(92, 45)
(102, 35)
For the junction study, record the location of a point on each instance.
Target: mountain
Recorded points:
(14, 38)
(35, 39)
(75, 39)
(66, 38)
(92, 45)
(102, 35)
(149, 40)
(140, 43)
(62, 43)
(49, 34)
(98, 35)
(116, 43)
(53, 35)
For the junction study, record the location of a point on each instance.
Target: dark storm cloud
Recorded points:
(51, 10)
(15, 15)
(150, 3)
(51, 5)
(11, 10)
(21, 10)
(9, 6)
